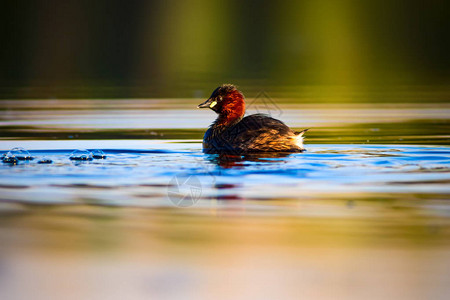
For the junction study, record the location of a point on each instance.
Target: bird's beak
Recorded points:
(210, 103)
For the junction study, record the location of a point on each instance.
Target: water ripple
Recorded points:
(128, 175)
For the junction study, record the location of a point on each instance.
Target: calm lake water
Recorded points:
(364, 213)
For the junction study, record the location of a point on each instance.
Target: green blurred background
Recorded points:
(316, 50)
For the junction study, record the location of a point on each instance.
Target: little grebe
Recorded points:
(232, 133)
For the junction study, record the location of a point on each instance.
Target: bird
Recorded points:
(232, 133)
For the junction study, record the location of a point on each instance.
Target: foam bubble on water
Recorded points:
(19, 153)
(15, 154)
(81, 154)
(98, 154)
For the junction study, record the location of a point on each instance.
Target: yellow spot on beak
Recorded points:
(213, 104)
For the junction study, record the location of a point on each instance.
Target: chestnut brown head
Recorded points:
(226, 100)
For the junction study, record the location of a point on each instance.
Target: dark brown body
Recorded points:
(254, 133)
(231, 133)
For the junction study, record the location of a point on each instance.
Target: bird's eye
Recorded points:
(219, 98)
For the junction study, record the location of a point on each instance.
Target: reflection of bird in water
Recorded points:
(239, 161)
(226, 192)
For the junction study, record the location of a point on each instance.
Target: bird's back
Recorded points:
(254, 133)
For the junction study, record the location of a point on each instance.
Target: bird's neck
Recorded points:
(227, 120)
(231, 114)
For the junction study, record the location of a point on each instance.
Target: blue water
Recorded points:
(149, 175)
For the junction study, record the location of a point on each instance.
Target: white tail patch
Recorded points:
(300, 140)
(299, 137)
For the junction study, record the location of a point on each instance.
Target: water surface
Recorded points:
(364, 211)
